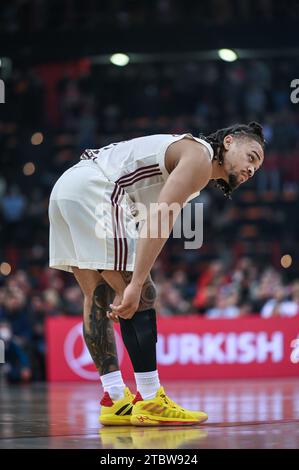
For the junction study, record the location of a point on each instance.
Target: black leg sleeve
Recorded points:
(140, 337)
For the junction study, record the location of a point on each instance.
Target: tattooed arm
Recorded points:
(119, 280)
(148, 291)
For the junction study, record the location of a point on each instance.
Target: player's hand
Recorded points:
(130, 302)
(111, 315)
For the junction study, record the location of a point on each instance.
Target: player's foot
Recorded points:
(200, 415)
(161, 410)
(116, 413)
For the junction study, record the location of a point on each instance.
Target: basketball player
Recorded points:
(113, 267)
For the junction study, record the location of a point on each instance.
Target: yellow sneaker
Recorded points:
(161, 410)
(116, 413)
(200, 415)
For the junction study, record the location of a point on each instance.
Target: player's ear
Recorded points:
(227, 141)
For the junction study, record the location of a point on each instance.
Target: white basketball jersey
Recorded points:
(138, 165)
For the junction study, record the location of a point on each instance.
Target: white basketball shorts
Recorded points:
(92, 225)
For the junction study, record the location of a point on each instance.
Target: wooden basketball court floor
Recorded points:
(251, 414)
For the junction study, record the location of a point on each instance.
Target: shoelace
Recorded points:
(170, 402)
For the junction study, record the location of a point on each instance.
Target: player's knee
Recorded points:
(100, 295)
(117, 280)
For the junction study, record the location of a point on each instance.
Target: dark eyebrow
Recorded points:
(255, 152)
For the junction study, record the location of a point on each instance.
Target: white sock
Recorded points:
(113, 384)
(147, 383)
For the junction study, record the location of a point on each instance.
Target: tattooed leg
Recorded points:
(98, 331)
(139, 333)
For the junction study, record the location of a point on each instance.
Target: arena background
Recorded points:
(227, 310)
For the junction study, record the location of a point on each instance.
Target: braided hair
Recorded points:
(253, 130)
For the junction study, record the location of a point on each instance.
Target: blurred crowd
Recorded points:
(61, 15)
(53, 112)
(222, 291)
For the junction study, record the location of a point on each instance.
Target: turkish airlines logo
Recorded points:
(220, 348)
(77, 355)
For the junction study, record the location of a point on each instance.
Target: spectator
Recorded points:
(207, 286)
(170, 300)
(38, 345)
(17, 315)
(279, 305)
(226, 304)
(17, 365)
(13, 205)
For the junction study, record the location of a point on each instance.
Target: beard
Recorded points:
(233, 181)
(228, 186)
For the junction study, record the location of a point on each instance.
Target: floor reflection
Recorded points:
(150, 438)
(242, 414)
